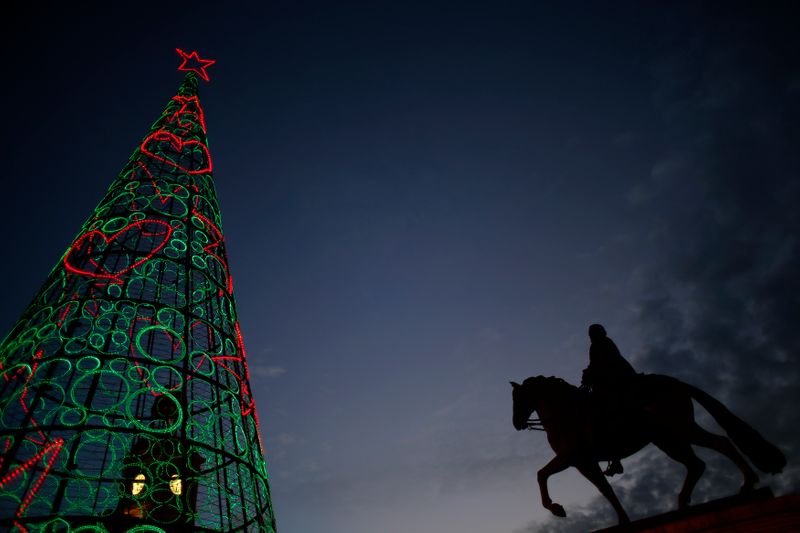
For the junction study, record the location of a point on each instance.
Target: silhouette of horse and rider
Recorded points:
(616, 412)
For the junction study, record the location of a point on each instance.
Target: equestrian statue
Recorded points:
(616, 412)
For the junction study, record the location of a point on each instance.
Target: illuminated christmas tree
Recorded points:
(125, 402)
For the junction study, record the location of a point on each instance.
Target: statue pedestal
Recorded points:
(757, 512)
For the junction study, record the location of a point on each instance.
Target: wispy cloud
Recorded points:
(719, 307)
(264, 371)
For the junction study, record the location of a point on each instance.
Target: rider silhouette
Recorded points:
(607, 374)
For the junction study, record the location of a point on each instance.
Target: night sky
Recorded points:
(425, 200)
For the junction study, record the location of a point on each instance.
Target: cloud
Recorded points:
(720, 301)
(720, 305)
(264, 371)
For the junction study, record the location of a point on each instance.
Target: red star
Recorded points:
(192, 62)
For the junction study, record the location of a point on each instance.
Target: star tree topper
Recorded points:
(192, 62)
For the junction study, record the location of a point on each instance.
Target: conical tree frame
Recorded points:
(125, 402)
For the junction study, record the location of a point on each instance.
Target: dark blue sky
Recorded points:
(423, 200)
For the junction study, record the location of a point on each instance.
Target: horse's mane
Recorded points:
(550, 381)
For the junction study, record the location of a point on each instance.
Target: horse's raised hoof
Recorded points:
(557, 510)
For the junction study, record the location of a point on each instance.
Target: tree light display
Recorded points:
(125, 403)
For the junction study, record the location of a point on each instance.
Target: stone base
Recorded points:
(758, 512)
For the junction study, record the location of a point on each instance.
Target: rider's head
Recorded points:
(596, 331)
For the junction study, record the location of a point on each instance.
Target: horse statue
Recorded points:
(658, 409)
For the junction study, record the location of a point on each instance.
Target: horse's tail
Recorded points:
(764, 455)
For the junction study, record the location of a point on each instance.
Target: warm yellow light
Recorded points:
(175, 485)
(138, 484)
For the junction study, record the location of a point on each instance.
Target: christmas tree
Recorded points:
(125, 402)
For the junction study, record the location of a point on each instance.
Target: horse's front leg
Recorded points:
(592, 472)
(557, 464)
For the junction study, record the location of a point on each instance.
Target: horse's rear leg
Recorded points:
(683, 453)
(592, 472)
(721, 444)
(557, 464)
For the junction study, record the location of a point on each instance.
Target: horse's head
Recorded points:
(524, 403)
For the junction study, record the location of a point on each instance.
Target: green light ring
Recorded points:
(228, 401)
(27, 336)
(132, 185)
(72, 416)
(138, 286)
(83, 489)
(179, 191)
(196, 247)
(41, 316)
(59, 524)
(126, 308)
(198, 222)
(104, 323)
(166, 509)
(138, 424)
(88, 364)
(124, 198)
(200, 236)
(178, 244)
(199, 262)
(138, 374)
(97, 221)
(230, 346)
(50, 366)
(83, 383)
(201, 342)
(55, 397)
(112, 420)
(139, 204)
(90, 308)
(158, 386)
(198, 295)
(115, 224)
(177, 224)
(114, 290)
(199, 431)
(120, 338)
(119, 365)
(202, 364)
(75, 345)
(137, 216)
(106, 497)
(89, 529)
(50, 346)
(241, 441)
(77, 327)
(173, 335)
(17, 370)
(120, 387)
(145, 270)
(171, 318)
(46, 331)
(145, 529)
(171, 252)
(97, 341)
